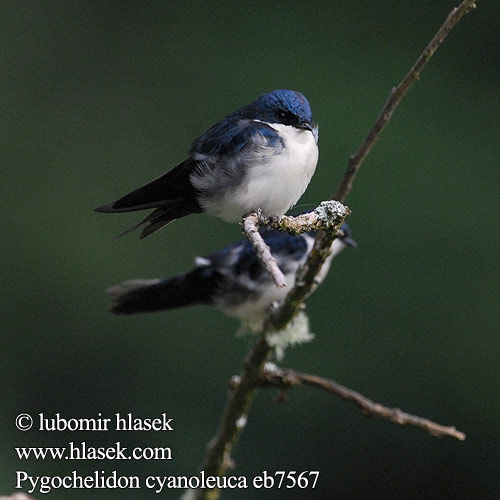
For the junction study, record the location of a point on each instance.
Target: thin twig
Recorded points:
(395, 96)
(286, 378)
(250, 224)
(323, 241)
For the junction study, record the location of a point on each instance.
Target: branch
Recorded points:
(286, 378)
(218, 457)
(328, 215)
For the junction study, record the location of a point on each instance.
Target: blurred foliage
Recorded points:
(99, 97)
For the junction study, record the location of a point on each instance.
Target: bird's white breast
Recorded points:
(277, 185)
(273, 182)
(257, 306)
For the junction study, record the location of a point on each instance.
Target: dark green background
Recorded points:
(100, 97)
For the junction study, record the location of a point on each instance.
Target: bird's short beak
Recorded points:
(349, 242)
(346, 240)
(306, 126)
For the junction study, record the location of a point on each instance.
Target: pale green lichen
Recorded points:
(331, 213)
(296, 332)
(328, 214)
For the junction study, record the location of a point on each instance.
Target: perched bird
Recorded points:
(261, 156)
(232, 279)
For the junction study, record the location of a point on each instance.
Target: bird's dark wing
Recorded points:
(172, 194)
(171, 187)
(225, 155)
(230, 136)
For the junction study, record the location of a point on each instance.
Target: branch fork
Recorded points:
(328, 216)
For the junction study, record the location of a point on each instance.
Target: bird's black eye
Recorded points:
(286, 117)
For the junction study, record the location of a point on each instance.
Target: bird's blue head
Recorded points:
(287, 107)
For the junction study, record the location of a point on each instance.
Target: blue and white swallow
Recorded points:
(261, 156)
(232, 279)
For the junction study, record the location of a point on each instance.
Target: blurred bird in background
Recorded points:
(232, 279)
